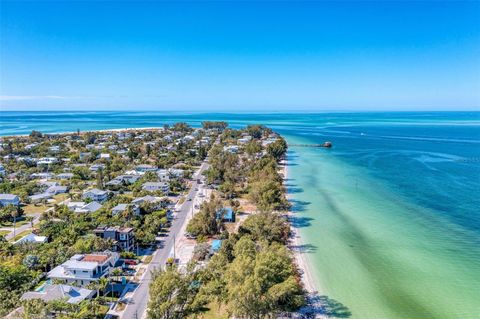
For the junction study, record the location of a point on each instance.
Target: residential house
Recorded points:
(84, 155)
(231, 149)
(70, 294)
(123, 237)
(83, 269)
(95, 194)
(47, 161)
(156, 186)
(97, 167)
(163, 175)
(32, 238)
(82, 207)
(120, 208)
(142, 169)
(9, 199)
(57, 189)
(226, 214)
(40, 197)
(104, 156)
(146, 199)
(65, 175)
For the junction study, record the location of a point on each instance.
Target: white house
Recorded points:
(156, 186)
(84, 269)
(97, 167)
(32, 238)
(104, 156)
(9, 199)
(47, 161)
(56, 189)
(64, 175)
(95, 194)
(82, 207)
(163, 175)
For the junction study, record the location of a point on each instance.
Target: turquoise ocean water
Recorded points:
(390, 215)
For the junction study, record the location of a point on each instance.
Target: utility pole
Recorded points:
(173, 248)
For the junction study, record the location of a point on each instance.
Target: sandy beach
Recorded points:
(297, 247)
(315, 308)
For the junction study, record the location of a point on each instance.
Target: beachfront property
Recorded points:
(82, 269)
(67, 293)
(96, 195)
(123, 237)
(9, 199)
(226, 214)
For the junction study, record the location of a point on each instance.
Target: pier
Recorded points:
(326, 145)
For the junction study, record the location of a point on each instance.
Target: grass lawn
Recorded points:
(214, 312)
(32, 209)
(148, 259)
(20, 235)
(18, 224)
(60, 197)
(4, 232)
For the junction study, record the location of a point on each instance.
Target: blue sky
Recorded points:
(239, 56)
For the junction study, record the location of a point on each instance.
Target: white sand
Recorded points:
(314, 309)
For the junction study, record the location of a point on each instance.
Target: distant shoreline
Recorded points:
(113, 130)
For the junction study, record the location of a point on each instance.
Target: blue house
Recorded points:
(216, 244)
(226, 214)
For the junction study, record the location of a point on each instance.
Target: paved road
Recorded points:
(24, 227)
(137, 304)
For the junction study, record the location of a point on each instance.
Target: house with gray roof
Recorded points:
(9, 199)
(95, 194)
(49, 292)
(156, 186)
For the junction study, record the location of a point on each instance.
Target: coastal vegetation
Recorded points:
(119, 164)
(253, 274)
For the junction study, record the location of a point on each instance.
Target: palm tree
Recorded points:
(14, 213)
(30, 220)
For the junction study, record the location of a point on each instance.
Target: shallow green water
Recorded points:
(374, 250)
(390, 214)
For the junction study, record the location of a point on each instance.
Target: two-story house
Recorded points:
(123, 237)
(81, 269)
(156, 186)
(96, 195)
(9, 199)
